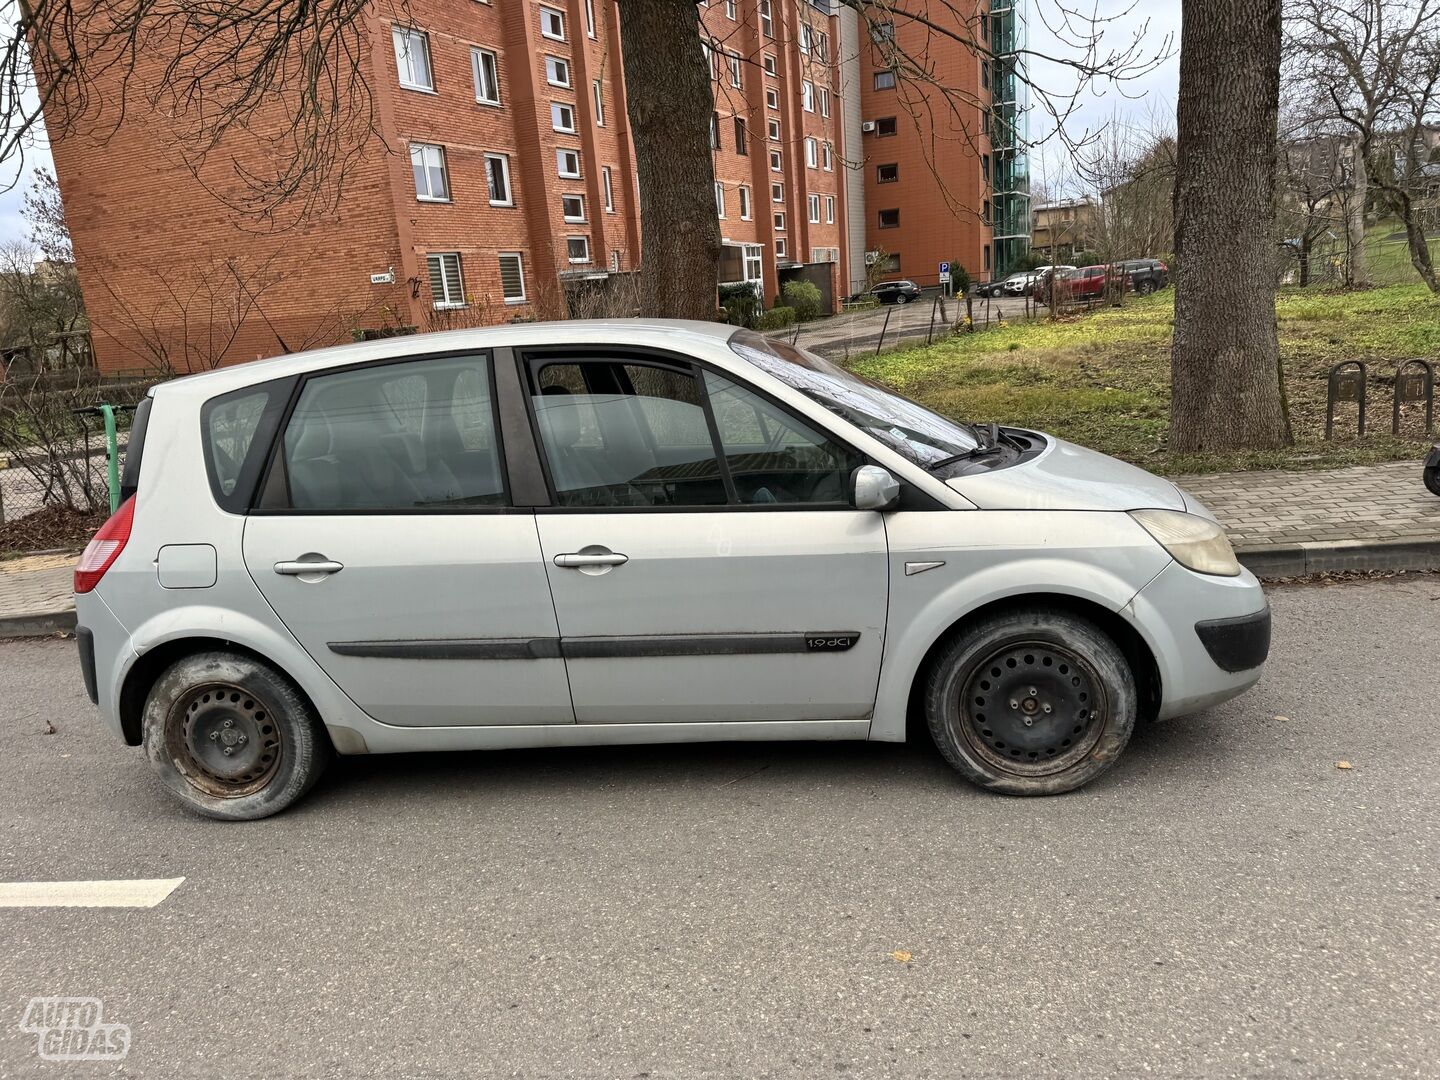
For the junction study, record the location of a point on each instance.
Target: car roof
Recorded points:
(657, 333)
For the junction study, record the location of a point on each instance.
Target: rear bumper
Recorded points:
(105, 653)
(85, 643)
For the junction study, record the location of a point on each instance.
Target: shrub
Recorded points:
(777, 318)
(804, 297)
(959, 279)
(741, 303)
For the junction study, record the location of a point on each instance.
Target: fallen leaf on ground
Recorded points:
(901, 956)
(1283, 719)
(1343, 765)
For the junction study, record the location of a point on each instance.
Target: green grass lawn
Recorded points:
(1103, 379)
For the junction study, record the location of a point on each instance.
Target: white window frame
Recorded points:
(752, 259)
(570, 218)
(607, 188)
(597, 91)
(730, 10)
(767, 61)
(559, 17)
(772, 98)
(560, 155)
(780, 248)
(805, 36)
(812, 152)
(777, 192)
(827, 156)
(778, 220)
(446, 304)
(777, 163)
(571, 258)
(558, 109)
(504, 162)
(477, 70)
(737, 69)
(557, 71)
(745, 203)
(422, 150)
(719, 200)
(590, 19)
(829, 209)
(519, 258)
(824, 95)
(614, 260)
(812, 203)
(772, 130)
(807, 95)
(404, 38)
(767, 18)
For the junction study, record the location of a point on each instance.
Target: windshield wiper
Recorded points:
(991, 442)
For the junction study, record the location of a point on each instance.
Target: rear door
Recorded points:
(386, 543)
(696, 585)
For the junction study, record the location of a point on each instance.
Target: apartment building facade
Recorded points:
(501, 180)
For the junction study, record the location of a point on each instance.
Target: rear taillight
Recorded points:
(102, 551)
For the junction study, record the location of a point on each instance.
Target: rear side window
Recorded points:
(409, 436)
(236, 432)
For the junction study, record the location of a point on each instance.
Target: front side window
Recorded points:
(432, 183)
(420, 434)
(412, 57)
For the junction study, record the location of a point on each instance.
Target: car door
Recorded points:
(386, 543)
(700, 585)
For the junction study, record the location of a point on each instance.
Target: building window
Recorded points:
(780, 220)
(412, 57)
(805, 39)
(615, 260)
(780, 248)
(807, 95)
(599, 92)
(568, 163)
(822, 46)
(777, 193)
(432, 184)
(497, 177)
(753, 265)
(572, 207)
(719, 199)
(590, 17)
(562, 117)
(767, 22)
(740, 144)
(884, 80)
(812, 153)
(827, 157)
(985, 74)
(772, 98)
(813, 203)
(829, 209)
(889, 219)
(885, 126)
(737, 67)
(486, 69)
(606, 189)
(824, 98)
(885, 31)
(447, 289)
(577, 249)
(985, 167)
(730, 10)
(887, 174)
(772, 129)
(512, 277)
(771, 68)
(744, 203)
(552, 24)
(557, 71)
(776, 165)
(987, 258)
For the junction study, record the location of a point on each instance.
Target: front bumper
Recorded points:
(1237, 644)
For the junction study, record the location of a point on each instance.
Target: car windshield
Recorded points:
(909, 429)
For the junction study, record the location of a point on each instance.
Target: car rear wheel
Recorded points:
(1432, 479)
(901, 298)
(1145, 288)
(1035, 701)
(231, 737)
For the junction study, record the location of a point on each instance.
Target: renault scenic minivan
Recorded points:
(594, 533)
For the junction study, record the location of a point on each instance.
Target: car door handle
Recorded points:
(298, 567)
(580, 559)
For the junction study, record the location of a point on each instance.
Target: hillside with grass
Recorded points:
(1103, 379)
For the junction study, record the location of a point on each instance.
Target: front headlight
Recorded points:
(1193, 542)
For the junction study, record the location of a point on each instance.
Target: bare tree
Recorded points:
(1374, 66)
(1226, 386)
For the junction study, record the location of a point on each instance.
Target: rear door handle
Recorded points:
(580, 559)
(298, 567)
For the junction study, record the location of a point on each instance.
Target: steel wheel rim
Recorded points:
(1033, 708)
(225, 740)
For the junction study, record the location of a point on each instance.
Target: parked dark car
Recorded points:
(1146, 275)
(893, 292)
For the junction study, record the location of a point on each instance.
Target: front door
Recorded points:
(704, 559)
(386, 544)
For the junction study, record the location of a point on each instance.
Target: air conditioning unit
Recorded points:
(871, 258)
(867, 126)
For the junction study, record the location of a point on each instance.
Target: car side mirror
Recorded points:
(873, 488)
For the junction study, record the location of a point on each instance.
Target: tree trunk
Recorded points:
(669, 103)
(1419, 245)
(1357, 270)
(1227, 390)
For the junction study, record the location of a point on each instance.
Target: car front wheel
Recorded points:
(1035, 701)
(1145, 288)
(231, 737)
(902, 299)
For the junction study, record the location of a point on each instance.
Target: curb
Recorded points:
(1338, 556)
(40, 624)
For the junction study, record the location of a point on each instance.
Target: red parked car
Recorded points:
(1093, 282)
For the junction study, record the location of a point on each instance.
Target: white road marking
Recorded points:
(136, 892)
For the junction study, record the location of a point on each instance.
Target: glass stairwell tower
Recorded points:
(1009, 135)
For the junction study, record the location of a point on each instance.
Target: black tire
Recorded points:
(1145, 288)
(902, 299)
(232, 738)
(1432, 479)
(1058, 714)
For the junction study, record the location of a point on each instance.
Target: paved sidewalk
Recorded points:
(1283, 524)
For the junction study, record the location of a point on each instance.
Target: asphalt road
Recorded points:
(1225, 903)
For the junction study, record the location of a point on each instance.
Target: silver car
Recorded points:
(596, 533)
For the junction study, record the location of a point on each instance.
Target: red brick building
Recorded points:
(500, 177)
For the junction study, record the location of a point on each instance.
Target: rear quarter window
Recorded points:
(236, 432)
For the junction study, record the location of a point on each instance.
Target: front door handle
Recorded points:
(579, 560)
(303, 568)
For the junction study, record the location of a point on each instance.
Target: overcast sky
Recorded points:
(1136, 101)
